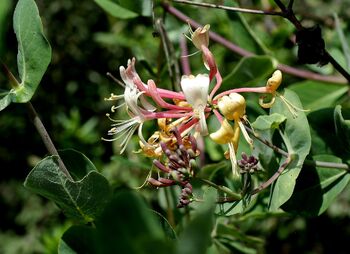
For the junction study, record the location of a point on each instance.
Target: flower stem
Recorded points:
(185, 64)
(264, 141)
(173, 66)
(224, 189)
(228, 8)
(34, 117)
(274, 177)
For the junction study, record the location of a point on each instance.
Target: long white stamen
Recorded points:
(127, 139)
(245, 134)
(114, 108)
(233, 159)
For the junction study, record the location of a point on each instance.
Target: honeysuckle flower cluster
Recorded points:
(182, 116)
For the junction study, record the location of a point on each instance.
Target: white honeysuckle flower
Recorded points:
(127, 76)
(196, 90)
(126, 128)
(137, 108)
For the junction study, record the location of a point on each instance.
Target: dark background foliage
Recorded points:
(86, 44)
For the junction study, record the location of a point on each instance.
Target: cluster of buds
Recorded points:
(248, 165)
(185, 112)
(179, 166)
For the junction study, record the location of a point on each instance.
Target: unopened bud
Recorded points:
(274, 82)
(201, 37)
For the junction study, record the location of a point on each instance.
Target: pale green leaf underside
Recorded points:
(34, 52)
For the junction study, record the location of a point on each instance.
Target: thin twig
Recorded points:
(274, 177)
(289, 14)
(266, 142)
(337, 66)
(34, 117)
(173, 66)
(46, 138)
(228, 8)
(242, 52)
(185, 64)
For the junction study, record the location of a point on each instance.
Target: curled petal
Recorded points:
(266, 104)
(232, 106)
(224, 135)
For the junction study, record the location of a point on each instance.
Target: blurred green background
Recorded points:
(86, 44)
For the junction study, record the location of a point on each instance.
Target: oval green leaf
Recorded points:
(342, 130)
(82, 199)
(317, 187)
(34, 51)
(297, 138)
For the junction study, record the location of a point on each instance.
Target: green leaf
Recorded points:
(116, 10)
(5, 100)
(269, 122)
(317, 188)
(235, 238)
(82, 199)
(265, 127)
(323, 133)
(130, 163)
(5, 7)
(343, 41)
(127, 225)
(210, 171)
(249, 71)
(342, 128)
(78, 239)
(34, 51)
(196, 237)
(297, 138)
(142, 7)
(243, 35)
(315, 95)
